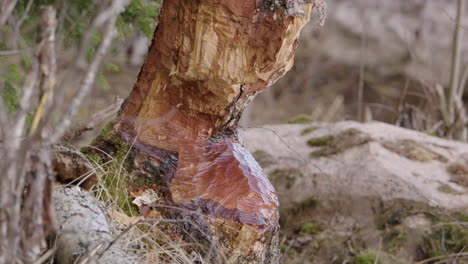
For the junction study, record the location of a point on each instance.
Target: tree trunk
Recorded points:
(207, 60)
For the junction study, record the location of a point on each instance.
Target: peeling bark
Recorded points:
(207, 60)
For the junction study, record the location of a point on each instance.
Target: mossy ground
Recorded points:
(426, 240)
(111, 155)
(376, 257)
(446, 238)
(301, 216)
(311, 202)
(319, 141)
(366, 257)
(299, 119)
(308, 130)
(310, 238)
(309, 228)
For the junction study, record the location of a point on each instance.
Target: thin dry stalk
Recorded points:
(47, 59)
(454, 114)
(86, 41)
(9, 52)
(442, 244)
(25, 194)
(37, 217)
(360, 96)
(146, 232)
(401, 101)
(442, 259)
(109, 34)
(456, 58)
(26, 212)
(20, 22)
(463, 82)
(459, 253)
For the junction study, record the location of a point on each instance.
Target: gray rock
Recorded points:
(85, 232)
(350, 159)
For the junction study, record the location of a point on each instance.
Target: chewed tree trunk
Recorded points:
(207, 60)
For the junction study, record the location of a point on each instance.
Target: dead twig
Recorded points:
(20, 22)
(93, 121)
(463, 80)
(47, 59)
(442, 259)
(109, 35)
(25, 104)
(360, 94)
(9, 52)
(442, 244)
(459, 253)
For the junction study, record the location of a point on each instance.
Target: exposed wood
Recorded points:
(207, 60)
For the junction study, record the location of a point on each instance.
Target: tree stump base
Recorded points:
(230, 234)
(207, 61)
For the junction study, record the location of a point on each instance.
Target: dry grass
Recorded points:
(149, 239)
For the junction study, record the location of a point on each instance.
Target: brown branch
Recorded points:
(27, 210)
(48, 64)
(37, 217)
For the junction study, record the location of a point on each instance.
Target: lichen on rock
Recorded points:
(413, 150)
(285, 177)
(334, 144)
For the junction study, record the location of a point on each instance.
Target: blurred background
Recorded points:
(371, 60)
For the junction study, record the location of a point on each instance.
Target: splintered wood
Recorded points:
(207, 60)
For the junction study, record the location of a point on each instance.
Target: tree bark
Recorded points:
(207, 60)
